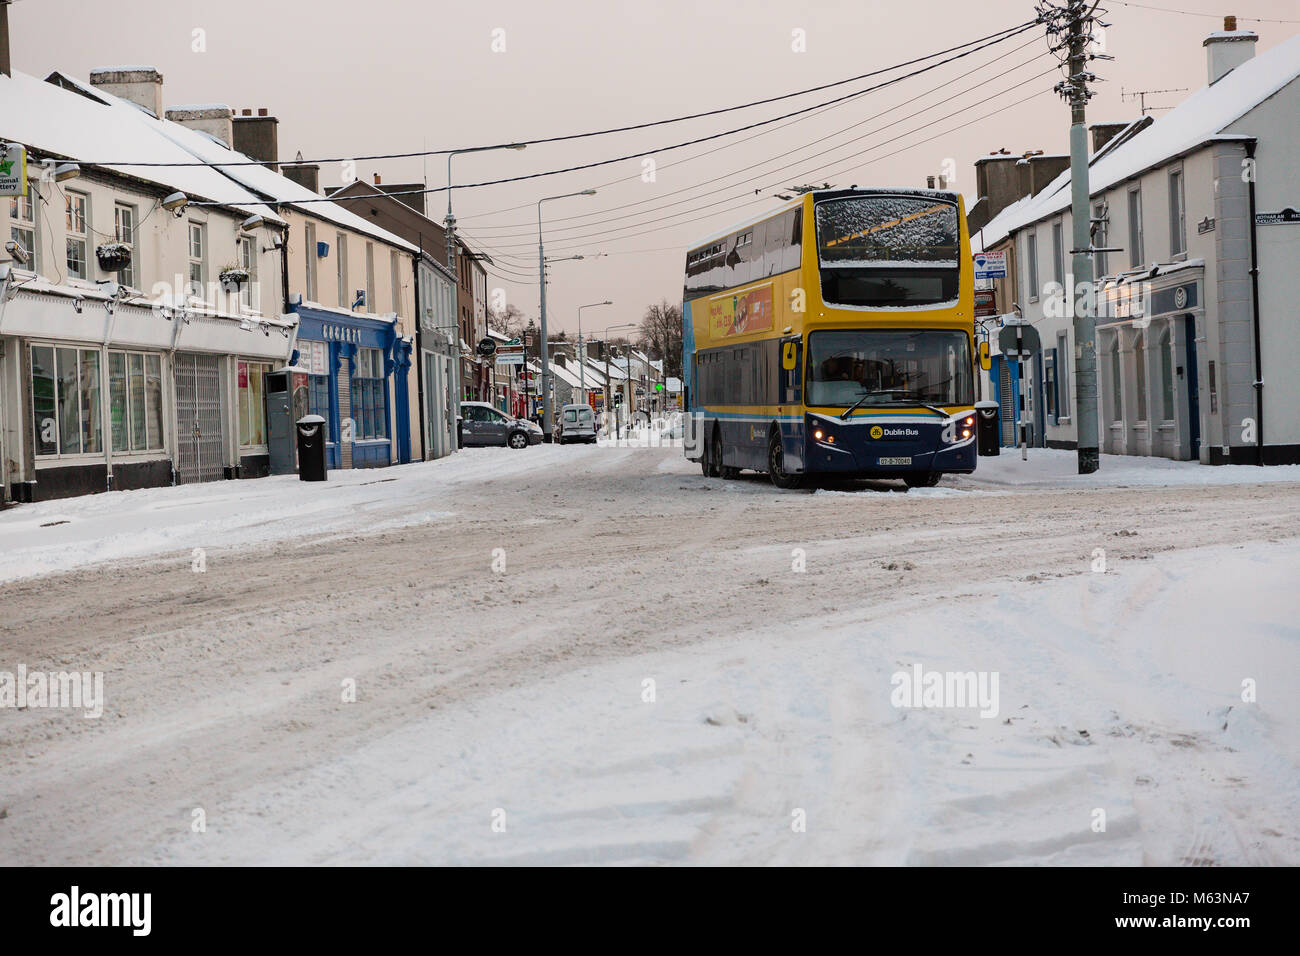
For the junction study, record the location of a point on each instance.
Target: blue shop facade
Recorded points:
(355, 371)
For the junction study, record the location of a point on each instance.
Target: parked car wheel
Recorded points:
(518, 440)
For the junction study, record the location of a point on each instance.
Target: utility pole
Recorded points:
(1069, 32)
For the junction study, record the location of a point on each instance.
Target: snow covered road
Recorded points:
(506, 717)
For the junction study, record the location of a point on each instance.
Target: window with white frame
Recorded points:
(1177, 214)
(135, 402)
(368, 413)
(198, 256)
(22, 224)
(395, 269)
(249, 297)
(341, 250)
(1031, 263)
(370, 277)
(310, 234)
(1135, 255)
(124, 220)
(1099, 237)
(78, 234)
(1058, 252)
(66, 395)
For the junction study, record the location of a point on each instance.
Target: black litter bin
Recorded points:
(311, 448)
(987, 429)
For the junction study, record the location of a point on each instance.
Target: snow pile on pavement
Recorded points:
(1121, 738)
(1052, 467)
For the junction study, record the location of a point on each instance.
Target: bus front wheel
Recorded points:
(922, 479)
(776, 466)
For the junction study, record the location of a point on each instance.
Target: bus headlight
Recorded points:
(822, 435)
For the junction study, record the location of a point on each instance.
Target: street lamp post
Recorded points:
(449, 228)
(608, 391)
(541, 282)
(582, 355)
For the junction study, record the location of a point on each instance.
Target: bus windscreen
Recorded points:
(889, 367)
(882, 251)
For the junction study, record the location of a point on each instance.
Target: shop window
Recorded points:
(135, 402)
(318, 396)
(252, 410)
(1166, 378)
(1116, 383)
(368, 413)
(66, 401)
(78, 234)
(1140, 374)
(1049, 385)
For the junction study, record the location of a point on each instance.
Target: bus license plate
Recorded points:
(896, 461)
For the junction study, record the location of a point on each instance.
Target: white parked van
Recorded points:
(575, 423)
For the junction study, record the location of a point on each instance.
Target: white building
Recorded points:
(1199, 303)
(123, 359)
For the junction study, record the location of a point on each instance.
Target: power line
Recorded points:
(1010, 31)
(587, 216)
(798, 163)
(845, 169)
(663, 149)
(1192, 13)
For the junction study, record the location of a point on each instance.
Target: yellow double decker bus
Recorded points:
(834, 336)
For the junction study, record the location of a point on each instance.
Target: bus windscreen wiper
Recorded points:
(893, 391)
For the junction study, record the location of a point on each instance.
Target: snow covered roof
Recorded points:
(140, 134)
(568, 375)
(1199, 119)
(50, 119)
(389, 317)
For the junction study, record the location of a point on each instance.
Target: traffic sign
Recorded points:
(990, 265)
(1019, 341)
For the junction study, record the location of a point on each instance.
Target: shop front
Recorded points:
(100, 394)
(356, 372)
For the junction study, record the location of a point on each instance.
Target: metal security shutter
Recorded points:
(199, 438)
(1007, 401)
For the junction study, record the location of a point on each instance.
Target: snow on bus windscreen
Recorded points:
(881, 251)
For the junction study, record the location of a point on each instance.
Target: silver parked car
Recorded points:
(576, 423)
(480, 424)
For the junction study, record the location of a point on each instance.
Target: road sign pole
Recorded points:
(1020, 367)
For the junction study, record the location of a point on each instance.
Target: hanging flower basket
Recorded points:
(113, 256)
(232, 280)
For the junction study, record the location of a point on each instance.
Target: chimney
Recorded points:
(377, 179)
(1228, 49)
(304, 174)
(1103, 133)
(216, 120)
(6, 67)
(258, 137)
(997, 180)
(142, 85)
(929, 182)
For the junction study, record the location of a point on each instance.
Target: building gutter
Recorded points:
(1250, 145)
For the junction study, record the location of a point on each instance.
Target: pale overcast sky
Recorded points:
(348, 78)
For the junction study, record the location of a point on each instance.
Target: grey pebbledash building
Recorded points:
(1197, 312)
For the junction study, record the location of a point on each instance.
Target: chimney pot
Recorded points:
(376, 179)
(245, 112)
(1229, 24)
(261, 111)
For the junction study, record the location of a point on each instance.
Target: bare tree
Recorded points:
(511, 321)
(661, 335)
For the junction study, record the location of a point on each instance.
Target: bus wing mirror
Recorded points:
(985, 361)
